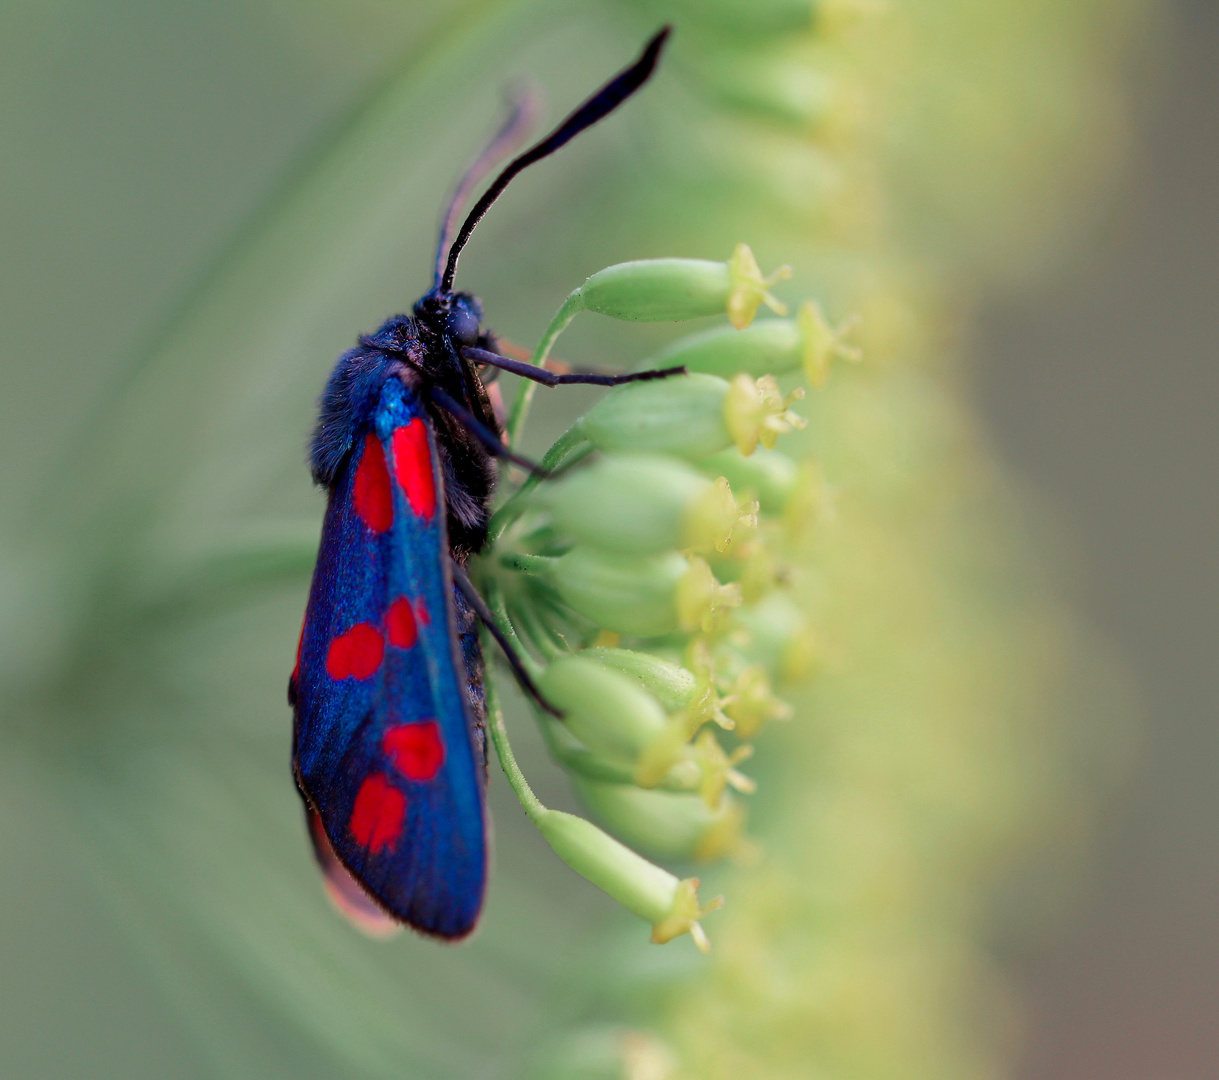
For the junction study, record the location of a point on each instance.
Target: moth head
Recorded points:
(463, 319)
(455, 315)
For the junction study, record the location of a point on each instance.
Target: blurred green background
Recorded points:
(200, 205)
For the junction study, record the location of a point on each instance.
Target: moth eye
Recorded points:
(462, 321)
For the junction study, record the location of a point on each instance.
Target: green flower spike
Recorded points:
(615, 547)
(822, 343)
(613, 716)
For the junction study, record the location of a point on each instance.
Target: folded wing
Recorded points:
(385, 750)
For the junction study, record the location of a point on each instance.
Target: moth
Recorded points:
(389, 749)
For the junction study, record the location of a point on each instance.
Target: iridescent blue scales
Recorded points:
(388, 743)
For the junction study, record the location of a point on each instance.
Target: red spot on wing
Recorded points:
(370, 492)
(413, 467)
(421, 612)
(355, 654)
(416, 750)
(400, 623)
(377, 815)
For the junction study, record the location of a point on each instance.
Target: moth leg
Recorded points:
(462, 580)
(481, 432)
(553, 378)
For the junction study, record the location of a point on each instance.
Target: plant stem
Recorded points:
(507, 760)
(572, 306)
(569, 448)
(538, 633)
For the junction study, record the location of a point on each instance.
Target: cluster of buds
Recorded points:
(644, 580)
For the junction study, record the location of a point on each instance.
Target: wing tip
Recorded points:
(365, 913)
(344, 891)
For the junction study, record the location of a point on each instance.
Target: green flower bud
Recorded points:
(692, 416)
(780, 638)
(644, 503)
(644, 596)
(701, 600)
(770, 347)
(810, 502)
(755, 411)
(767, 475)
(659, 290)
(669, 904)
(609, 712)
(670, 290)
(690, 697)
(634, 595)
(716, 521)
(682, 415)
(667, 749)
(760, 573)
(664, 824)
(672, 685)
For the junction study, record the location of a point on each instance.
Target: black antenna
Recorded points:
(523, 111)
(601, 104)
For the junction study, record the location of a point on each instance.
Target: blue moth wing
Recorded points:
(386, 750)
